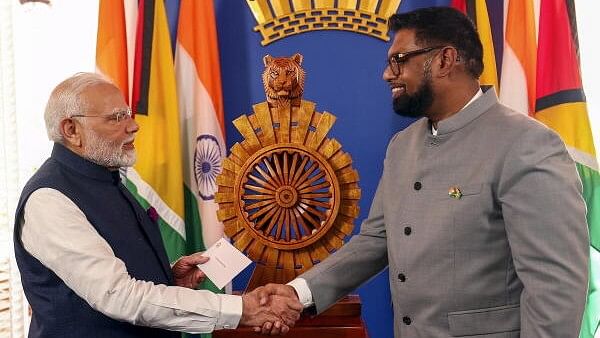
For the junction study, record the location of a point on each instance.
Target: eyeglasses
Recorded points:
(397, 61)
(117, 116)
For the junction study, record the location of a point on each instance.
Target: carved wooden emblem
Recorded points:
(288, 194)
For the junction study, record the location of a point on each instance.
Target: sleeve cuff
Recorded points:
(231, 312)
(175, 262)
(303, 291)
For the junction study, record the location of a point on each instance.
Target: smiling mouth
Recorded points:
(398, 90)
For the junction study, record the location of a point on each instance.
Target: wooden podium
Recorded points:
(340, 321)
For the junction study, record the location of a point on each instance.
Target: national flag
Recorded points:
(111, 44)
(560, 104)
(478, 11)
(157, 178)
(201, 117)
(518, 77)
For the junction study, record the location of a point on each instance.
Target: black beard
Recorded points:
(415, 105)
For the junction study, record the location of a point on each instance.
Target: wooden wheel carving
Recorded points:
(287, 195)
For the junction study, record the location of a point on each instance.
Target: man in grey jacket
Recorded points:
(478, 213)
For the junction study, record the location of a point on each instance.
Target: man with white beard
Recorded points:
(91, 259)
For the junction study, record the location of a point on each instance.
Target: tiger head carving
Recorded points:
(283, 79)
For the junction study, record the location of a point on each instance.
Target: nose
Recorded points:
(388, 75)
(132, 126)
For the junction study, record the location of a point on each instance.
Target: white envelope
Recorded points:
(225, 262)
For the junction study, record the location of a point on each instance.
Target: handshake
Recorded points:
(271, 309)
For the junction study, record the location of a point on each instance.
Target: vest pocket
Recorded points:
(485, 321)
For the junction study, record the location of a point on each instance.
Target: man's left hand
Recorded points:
(186, 271)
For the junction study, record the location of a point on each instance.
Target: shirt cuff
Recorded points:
(231, 312)
(303, 291)
(175, 261)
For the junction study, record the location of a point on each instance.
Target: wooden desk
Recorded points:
(340, 321)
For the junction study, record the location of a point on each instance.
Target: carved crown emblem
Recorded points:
(278, 19)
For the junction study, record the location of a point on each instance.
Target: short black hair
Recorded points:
(444, 25)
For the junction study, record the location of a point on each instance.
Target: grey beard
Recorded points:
(106, 153)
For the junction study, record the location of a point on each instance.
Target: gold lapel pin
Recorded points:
(455, 192)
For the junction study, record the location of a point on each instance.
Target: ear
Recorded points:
(449, 59)
(71, 132)
(267, 60)
(297, 58)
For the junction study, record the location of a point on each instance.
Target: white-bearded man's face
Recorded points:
(107, 153)
(107, 128)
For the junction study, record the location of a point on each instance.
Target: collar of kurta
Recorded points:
(469, 113)
(82, 166)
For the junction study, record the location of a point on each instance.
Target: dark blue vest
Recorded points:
(119, 219)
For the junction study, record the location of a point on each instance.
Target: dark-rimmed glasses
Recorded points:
(117, 116)
(397, 61)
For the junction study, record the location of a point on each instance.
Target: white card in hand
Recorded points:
(225, 263)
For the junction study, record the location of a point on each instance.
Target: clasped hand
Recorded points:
(272, 309)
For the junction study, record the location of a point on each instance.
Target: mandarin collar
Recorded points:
(468, 113)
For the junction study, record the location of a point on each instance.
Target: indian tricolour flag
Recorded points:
(518, 80)
(201, 118)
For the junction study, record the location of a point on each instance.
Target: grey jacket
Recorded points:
(483, 228)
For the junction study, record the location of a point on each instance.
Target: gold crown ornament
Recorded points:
(278, 19)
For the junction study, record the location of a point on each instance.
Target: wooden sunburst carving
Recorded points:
(287, 194)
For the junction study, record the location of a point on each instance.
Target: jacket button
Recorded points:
(417, 186)
(402, 277)
(406, 320)
(407, 231)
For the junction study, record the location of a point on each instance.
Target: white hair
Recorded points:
(65, 101)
